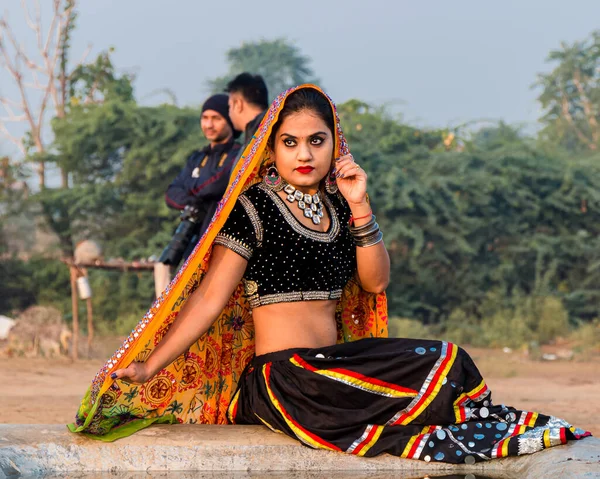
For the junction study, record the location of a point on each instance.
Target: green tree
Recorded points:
(122, 157)
(87, 86)
(280, 63)
(497, 136)
(98, 82)
(571, 96)
(500, 217)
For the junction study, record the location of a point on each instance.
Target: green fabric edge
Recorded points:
(126, 430)
(116, 432)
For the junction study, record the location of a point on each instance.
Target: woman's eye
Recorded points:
(317, 140)
(289, 142)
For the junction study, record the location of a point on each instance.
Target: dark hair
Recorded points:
(302, 100)
(251, 87)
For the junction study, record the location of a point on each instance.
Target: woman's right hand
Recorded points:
(136, 373)
(200, 310)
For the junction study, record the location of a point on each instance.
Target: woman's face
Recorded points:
(303, 150)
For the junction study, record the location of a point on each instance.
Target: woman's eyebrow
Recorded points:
(312, 134)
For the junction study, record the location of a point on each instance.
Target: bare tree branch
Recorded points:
(7, 59)
(7, 103)
(35, 25)
(51, 72)
(13, 139)
(35, 86)
(63, 28)
(83, 57)
(15, 71)
(55, 17)
(49, 77)
(30, 23)
(13, 118)
(20, 53)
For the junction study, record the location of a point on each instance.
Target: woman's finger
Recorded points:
(343, 160)
(344, 165)
(130, 373)
(120, 373)
(348, 170)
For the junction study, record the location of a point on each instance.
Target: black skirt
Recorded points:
(412, 398)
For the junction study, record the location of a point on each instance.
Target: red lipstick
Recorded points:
(305, 170)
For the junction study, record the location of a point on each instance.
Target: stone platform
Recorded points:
(201, 451)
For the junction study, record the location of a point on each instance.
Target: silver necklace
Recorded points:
(310, 204)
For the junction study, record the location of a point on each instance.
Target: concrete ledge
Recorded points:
(46, 450)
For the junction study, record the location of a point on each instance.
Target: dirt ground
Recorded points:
(47, 391)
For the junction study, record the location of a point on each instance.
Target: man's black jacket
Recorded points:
(204, 178)
(202, 184)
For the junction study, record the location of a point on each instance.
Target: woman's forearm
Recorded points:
(192, 322)
(372, 262)
(373, 266)
(201, 309)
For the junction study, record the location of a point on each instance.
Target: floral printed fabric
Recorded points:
(198, 386)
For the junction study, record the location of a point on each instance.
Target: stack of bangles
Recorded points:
(366, 235)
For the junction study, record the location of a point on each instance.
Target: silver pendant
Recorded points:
(310, 204)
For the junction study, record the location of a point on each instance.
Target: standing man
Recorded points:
(200, 186)
(248, 103)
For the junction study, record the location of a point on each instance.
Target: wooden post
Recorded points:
(162, 277)
(90, 319)
(90, 326)
(75, 308)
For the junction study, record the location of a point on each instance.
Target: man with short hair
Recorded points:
(248, 103)
(201, 184)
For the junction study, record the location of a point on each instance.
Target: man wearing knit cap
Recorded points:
(201, 184)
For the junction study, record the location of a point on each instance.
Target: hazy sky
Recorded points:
(442, 63)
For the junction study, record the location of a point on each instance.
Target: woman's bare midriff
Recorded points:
(301, 324)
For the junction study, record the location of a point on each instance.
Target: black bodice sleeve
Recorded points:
(242, 231)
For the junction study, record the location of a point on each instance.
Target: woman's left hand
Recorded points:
(351, 180)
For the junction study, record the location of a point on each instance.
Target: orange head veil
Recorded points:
(198, 386)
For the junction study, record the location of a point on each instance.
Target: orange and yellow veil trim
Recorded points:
(198, 386)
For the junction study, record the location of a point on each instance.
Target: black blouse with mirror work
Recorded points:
(288, 261)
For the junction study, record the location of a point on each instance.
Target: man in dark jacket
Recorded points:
(200, 186)
(248, 103)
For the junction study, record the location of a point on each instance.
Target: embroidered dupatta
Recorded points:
(198, 386)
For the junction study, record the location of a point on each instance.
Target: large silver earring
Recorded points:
(330, 184)
(273, 179)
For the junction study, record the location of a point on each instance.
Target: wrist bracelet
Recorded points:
(367, 234)
(353, 219)
(366, 226)
(371, 241)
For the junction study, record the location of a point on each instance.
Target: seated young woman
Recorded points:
(278, 315)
